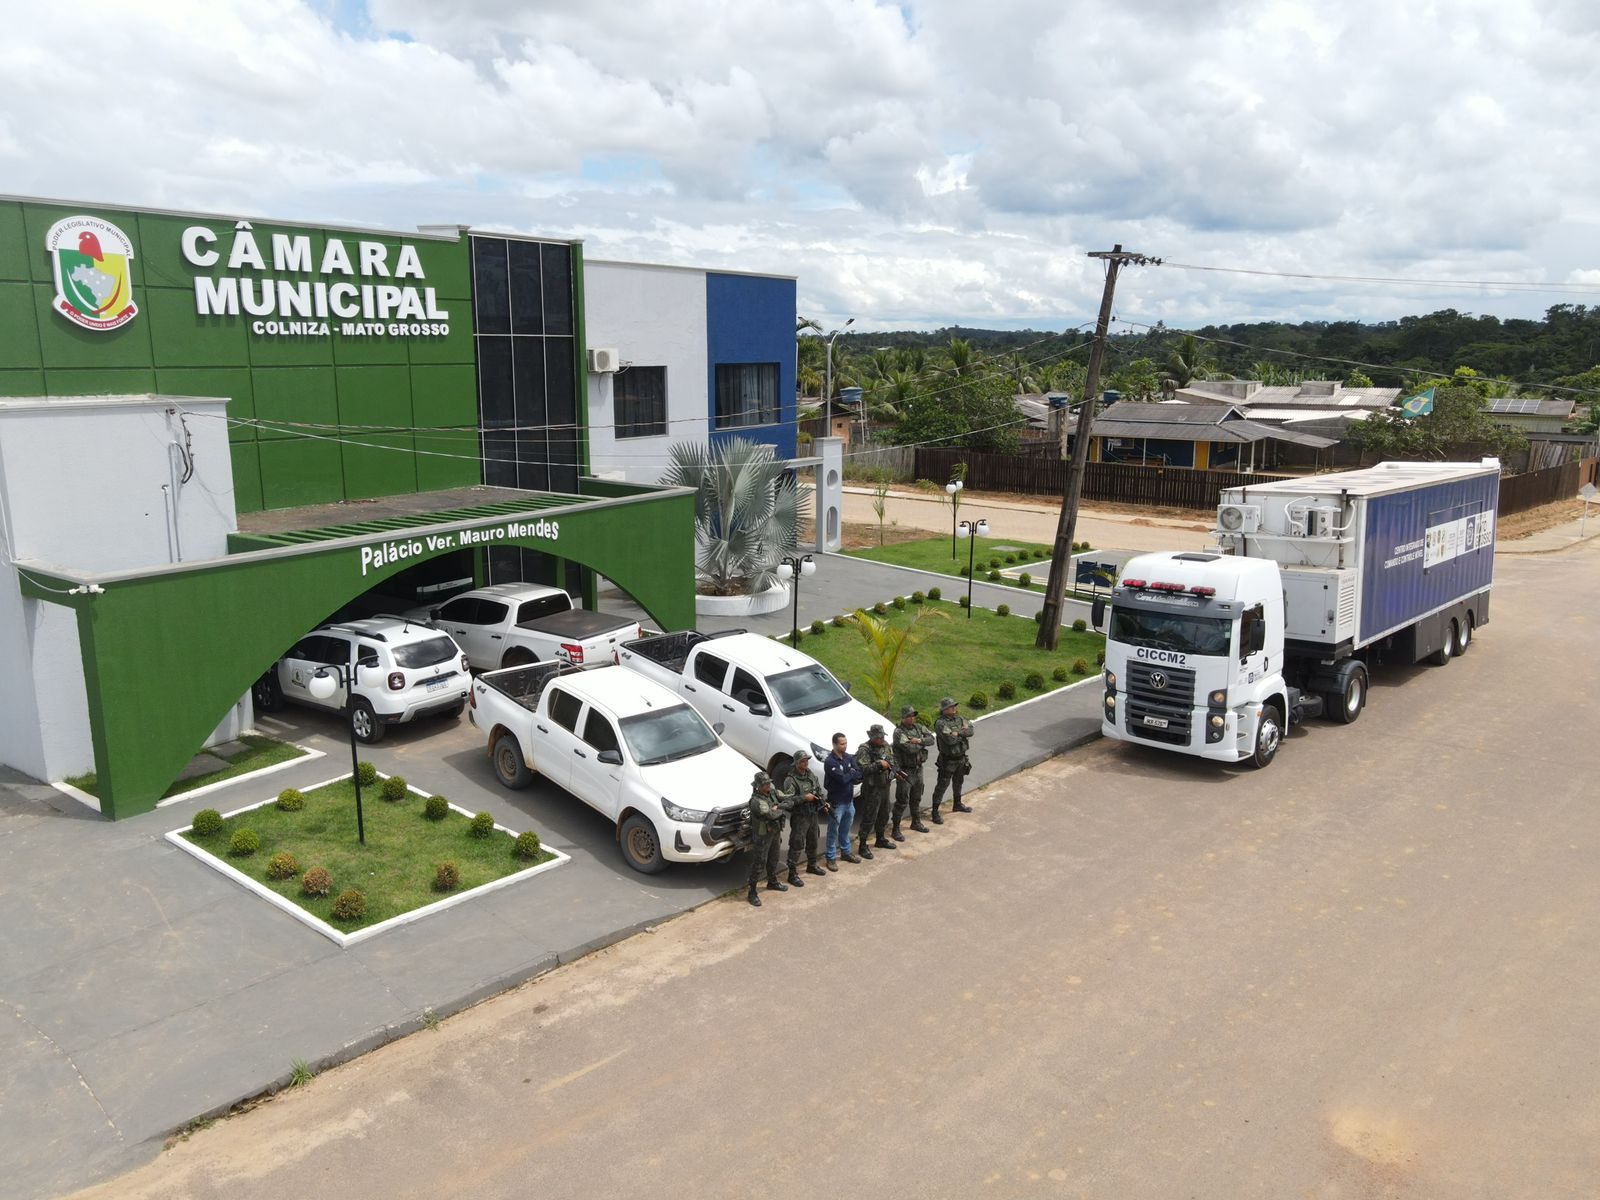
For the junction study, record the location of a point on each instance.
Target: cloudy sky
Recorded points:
(915, 165)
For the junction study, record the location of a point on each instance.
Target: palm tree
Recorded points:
(1188, 362)
(746, 513)
(958, 356)
(887, 646)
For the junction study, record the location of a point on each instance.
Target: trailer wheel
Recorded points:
(508, 765)
(1269, 736)
(1446, 652)
(641, 846)
(1466, 635)
(1345, 705)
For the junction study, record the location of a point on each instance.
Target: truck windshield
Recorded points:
(425, 654)
(806, 690)
(1171, 631)
(666, 736)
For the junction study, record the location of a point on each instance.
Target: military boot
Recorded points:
(916, 823)
(896, 834)
(960, 807)
(862, 849)
(794, 878)
(752, 897)
(813, 869)
(774, 886)
(933, 815)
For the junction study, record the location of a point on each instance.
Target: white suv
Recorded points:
(402, 671)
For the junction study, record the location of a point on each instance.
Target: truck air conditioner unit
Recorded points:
(603, 362)
(1239, 518)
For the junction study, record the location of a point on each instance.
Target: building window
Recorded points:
(747, 394)
(639, 401)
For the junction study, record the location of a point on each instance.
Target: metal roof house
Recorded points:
(1197, 436)
(1529, 414)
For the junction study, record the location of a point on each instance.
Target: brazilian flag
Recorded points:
(1419, 405)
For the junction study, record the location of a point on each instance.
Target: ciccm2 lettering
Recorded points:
(1166, 656)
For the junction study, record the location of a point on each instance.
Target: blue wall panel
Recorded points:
(750, 319)
(1425, 549)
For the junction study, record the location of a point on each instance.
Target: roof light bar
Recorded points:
(1159, 586)
(1198, 590)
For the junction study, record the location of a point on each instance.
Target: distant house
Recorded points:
(1196, 436)
(1529, 414)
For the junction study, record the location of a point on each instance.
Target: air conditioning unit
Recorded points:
(604, 362)
(1239, 518)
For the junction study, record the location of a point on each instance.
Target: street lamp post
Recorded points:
(953, 490)
(322, 686)
(972, 531)
(795, 568)
(827, 387)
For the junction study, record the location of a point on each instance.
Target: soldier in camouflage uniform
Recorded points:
(911, 742)
(876, 760)
(766, 827)
(805, 806)
(953, 734)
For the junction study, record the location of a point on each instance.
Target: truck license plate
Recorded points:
(1158, 722)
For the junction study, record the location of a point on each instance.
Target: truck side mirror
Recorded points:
(611, 758)
(1097, 614)
(760, 710)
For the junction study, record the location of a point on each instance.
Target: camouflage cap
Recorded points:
(761, 777)
(909, 710)
(876, 731)
(947, 702)
(802, 755)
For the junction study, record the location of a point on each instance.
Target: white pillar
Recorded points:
(829, 494)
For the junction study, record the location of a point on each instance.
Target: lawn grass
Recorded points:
(933, 554)
(261, 752)
(394, 869)
(958, 656)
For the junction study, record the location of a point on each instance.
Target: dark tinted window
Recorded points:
(557, 288)
(490, 301)
(746, 690)
(597, 731)
(496, 397)
(463, 610)
(564, 709)
(747, 394)
(492, 612)
(527, 295)
(708, 668)
(544, 606)
(429, 653)
(639, 401)
(367, 656)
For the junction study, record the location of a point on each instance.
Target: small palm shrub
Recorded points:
(244, 842)
(482, 825)
(350, 905)
(394, 789)
(206, 822)
(978, 700)
(436, 808)
(366, 774)
(1033, 681)
(318, 881)
(446, 877)
(282, 866)
(291, 800)
(1080, 666)
(1007, 690)
(527, 845)
(1003, 610)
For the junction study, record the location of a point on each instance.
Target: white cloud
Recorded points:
(930, 164)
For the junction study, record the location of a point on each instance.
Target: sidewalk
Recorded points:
(142, 991)
(1556, 538)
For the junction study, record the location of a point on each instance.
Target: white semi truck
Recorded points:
(1314, 580)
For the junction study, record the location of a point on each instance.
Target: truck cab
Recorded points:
(1195, 656)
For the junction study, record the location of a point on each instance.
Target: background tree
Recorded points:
(888, 643)
(1457, 430)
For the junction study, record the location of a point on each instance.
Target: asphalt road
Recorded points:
(1367, 971)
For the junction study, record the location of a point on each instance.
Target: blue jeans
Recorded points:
(840, 821)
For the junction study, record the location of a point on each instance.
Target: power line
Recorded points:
(1504, 284)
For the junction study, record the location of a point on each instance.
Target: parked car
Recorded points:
(514, 624)
(627, 748)
(770, 697)
(402, 671)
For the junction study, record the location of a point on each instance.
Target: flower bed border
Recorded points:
(340, 938)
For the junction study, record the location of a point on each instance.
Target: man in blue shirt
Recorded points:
(840, 775)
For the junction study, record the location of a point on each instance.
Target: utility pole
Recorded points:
(1072, 487)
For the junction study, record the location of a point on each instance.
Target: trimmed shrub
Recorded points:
(881, 608)
(1080, 666)
(1100, 658)
(818, 627)
(244, 842)
(934, 593)
(900, 603)
(282, 866)
(795, 636)
(482, 825)
(994, 562)
(206, 822)
(350, 905)
(1007, 690)
(1033, 681)
(527, 845)
(436, 808)
(1080, 625)
(318, 881)
(1003, 610)
(978, 700)
(918, 598)
(1041, 554)
(965, 571)
(962, 601)
(1038, 617)
(366, 774)
(394, 789)
(839, 622)
(446, 877)
(1011, 558)
(994, 576)
(291, 800)
(1024, 580)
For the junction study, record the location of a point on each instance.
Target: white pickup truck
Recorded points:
(626, 747)
(514, 624)
(771, 699)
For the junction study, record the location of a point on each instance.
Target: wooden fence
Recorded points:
(1164, 487)
(1521, 492)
